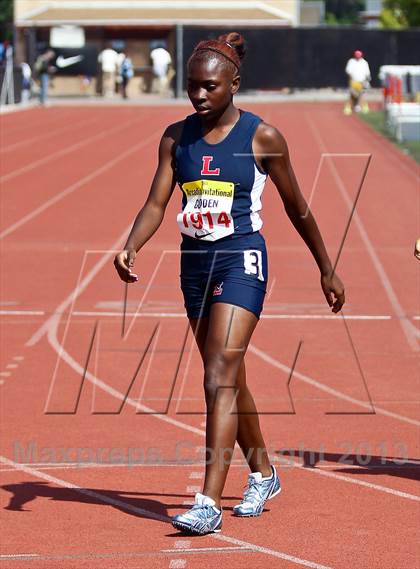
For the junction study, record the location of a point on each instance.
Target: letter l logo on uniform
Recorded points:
(206, 167)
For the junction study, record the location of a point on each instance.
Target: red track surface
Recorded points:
(72, 180)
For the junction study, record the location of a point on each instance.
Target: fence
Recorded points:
(304, 58)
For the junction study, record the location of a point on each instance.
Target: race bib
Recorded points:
(207, 213)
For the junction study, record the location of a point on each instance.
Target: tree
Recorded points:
(400, 13)
(6, 20)
(343, 11)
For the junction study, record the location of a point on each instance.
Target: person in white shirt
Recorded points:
(358, 71)
(26, 82)
(108, 59)
(161, 60)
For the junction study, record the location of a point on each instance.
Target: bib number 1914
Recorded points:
(199, 219)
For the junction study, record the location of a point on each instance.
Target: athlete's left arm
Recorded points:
(271, 145)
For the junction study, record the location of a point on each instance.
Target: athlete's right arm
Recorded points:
(151, 214)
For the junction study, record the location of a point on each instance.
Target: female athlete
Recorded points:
(221, 156)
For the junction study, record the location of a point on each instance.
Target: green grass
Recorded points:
(377, 120)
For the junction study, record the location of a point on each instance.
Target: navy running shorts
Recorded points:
(230, 270)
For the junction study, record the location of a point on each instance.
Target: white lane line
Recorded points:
(84, 466)
(411, 333)
(196, 475)
(266, 316)
(49, 134)
(283, 463)
(94, 313)
(177, 563)
(149, 514)
(339, 394)
(5, 374)
(84, 491)
(193, 489)
(22, 312)
(267, 551)
(325, 317)
(379, 488)
(70, 189)
(65, 151)
(18, 555)
(18, 358)
(208, 549)
(180, 544)
(11, 366)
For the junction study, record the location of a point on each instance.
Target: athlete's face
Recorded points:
(210, 86)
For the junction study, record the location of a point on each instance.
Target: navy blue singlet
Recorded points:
(221, 183)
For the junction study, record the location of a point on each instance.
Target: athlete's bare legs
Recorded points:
(231, 413)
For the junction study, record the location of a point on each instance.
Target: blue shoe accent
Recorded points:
(257, 492)
(202, 518)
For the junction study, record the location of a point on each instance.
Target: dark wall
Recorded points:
(312, 57)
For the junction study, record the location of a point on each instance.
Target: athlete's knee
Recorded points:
(220, 371)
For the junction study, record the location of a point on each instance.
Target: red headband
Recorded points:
(219, 47)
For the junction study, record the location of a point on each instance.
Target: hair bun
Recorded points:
(236, 41)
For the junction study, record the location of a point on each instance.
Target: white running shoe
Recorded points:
(202, 518)
(257, 492)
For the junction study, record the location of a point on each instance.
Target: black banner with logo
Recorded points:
(76, 61)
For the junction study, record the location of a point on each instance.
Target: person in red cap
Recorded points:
(358, 71)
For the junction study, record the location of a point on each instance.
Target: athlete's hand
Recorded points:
(334, 291)
(124, 262)
(417, 249)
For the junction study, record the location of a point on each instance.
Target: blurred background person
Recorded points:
(126, 73)
(108, 60)
(161, 60)
(357, 69)
(44, 70)
(26, 82)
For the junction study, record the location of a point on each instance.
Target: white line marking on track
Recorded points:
(93, 313)
(339, 394)
(412, 334)
(196, 475)
(208, 550)
(266, 316)
(385, 489)
(18, 555)
(22, 312)
(49, 134)
(181, 544)
(177, 563)
(149, 514)
(193, 489)
(282, 462)
(64, 151)
(12, 366)
(73, 187)
(5, 374)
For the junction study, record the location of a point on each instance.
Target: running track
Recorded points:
(343, 426)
